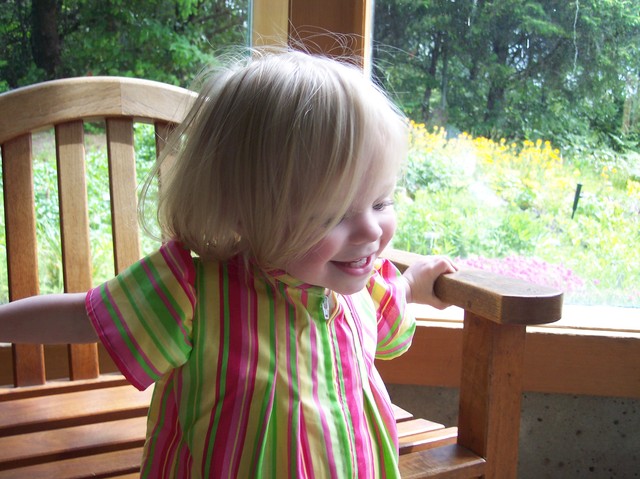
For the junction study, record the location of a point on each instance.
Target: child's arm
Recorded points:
(420, 277)
(47, 319)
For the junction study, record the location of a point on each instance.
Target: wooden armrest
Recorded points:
(492, 296)
(497, 311)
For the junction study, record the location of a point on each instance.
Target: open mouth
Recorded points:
(358, 264)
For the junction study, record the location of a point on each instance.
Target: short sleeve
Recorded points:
(144, 315)
(396, 324)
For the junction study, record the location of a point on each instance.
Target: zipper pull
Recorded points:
(325, 307)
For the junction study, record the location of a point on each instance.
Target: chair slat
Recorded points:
(74, 218)
(52, 445)
(20, 217)
(121, 464)
(447, 462)
(61, 386)
(163, 130)
(400, 414)
(414, 426)
(122, 180)
(427, 440)
(20, 224)
(28, 365)
(22, 416)
(74, 226)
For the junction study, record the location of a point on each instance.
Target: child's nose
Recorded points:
(366, 228)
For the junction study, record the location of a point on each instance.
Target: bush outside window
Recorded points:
(525, 129)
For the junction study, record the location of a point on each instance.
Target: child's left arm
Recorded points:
(420, 277)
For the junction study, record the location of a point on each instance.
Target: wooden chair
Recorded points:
(92, 423)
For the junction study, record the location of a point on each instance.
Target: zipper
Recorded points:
(325, 307)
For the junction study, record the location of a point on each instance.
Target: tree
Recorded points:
(45, 38)
(166, 40)
(515, 68)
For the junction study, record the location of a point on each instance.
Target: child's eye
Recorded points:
(382, 205)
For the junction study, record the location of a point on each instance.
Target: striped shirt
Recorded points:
(255, 376)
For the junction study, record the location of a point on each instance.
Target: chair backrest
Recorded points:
(66, 105)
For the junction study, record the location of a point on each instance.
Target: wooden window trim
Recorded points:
(591, 351)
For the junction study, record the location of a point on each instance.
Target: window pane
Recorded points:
(524, 126)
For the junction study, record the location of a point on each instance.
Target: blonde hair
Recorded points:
(271, 155)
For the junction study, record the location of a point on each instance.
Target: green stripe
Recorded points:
(345, 433)
(123, 333)
(158, 308)
(258, 447)
(294, 388)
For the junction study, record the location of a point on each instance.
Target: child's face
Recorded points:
(343, 260)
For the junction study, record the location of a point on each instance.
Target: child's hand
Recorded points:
(421, 276)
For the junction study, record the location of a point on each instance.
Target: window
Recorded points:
(525, 156)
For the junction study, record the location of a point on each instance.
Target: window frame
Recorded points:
(592, 350)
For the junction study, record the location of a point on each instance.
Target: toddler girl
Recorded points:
(260, 318)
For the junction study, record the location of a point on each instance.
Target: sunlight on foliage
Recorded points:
(507, 207)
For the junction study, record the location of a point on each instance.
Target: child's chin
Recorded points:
(351, 288)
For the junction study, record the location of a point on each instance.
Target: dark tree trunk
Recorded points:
(432, 70)
(45, 39)
(497, 90)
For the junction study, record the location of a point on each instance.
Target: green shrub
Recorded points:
(476, 198)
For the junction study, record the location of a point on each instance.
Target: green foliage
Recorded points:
(515, 201)
(145, 142)
(515, 69)
(164, 40)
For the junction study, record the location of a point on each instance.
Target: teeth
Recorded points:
(358, 264)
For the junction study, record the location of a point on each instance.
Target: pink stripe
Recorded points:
(255, 347)
(246, 368)
(330, 455)
(360, 448)
(304, 457)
